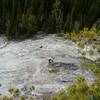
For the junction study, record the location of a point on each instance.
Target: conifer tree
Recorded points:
(50, 15)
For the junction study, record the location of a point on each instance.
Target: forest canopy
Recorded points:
(23, 18)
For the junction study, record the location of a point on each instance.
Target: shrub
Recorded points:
(80, 91)
(91, 52)
(81, 45)
(23, 97)
(88, 33)
(62, 95)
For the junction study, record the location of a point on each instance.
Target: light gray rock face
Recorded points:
(27, 62)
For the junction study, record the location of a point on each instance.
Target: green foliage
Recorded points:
(23, 97)
(31, 88)
(80, 91)
(91, 52)
(17, 94)
(72, 36)
(93, 67)
(25, 17)
(14, 91)
(81, 45)
(83, 53)
(84, 36)
(82, 86)
(31, 98)
(62, 95)
(95, 90)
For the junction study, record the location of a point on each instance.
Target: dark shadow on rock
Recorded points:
(66, 66)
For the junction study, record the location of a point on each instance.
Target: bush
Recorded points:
(80, 91)
(91, 52)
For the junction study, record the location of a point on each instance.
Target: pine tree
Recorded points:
(50, 15)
